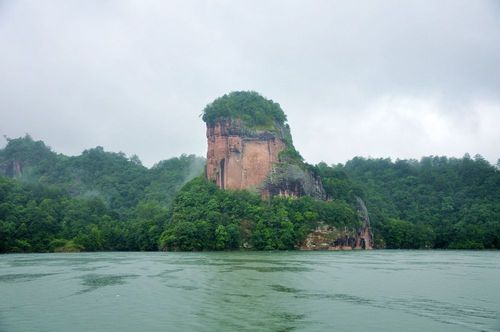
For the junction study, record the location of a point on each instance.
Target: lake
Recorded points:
(379, 290)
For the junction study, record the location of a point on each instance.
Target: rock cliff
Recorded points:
(238, 158)
(250, 147)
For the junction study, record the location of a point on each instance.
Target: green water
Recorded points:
(250, 291)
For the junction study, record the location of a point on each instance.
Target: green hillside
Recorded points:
(107, 201)
(48, 197)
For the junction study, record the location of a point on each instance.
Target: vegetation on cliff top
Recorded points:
(251, 108)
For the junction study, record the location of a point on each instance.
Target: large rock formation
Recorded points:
(250, 147)
(238, 158)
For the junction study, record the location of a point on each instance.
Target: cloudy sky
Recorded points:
(399, 79)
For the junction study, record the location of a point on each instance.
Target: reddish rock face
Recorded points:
(238, 159)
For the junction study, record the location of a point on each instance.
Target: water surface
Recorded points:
(270, 291)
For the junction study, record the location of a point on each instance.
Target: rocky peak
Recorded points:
(250, 147)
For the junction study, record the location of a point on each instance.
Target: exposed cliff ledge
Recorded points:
(250, 147)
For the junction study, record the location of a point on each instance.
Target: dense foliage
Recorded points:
(96, 201)
(121, 182)
(205, 217)
(107, 201)
(37, 218)
(436, 202)
(249, 106)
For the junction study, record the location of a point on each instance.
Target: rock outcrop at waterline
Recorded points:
(364, 238)
(250, 147)
(326, 237)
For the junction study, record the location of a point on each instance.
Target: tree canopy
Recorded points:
(437, 202)
(248, 106)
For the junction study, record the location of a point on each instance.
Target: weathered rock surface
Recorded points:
(364, 237)
(291, 180)
(327, 237)
(241, 158)
(238, 158)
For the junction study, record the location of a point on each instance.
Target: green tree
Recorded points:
(221, 237)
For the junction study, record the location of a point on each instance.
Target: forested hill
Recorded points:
(436, 202)
(120, 181)
(102, 200)
(107, 201)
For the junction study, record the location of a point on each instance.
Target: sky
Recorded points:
(399, 79)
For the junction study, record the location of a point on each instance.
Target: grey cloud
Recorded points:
(378, 78)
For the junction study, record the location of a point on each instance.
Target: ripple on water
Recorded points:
(88, 268)
(242, 295)
(183, 287)
(92, 282)
(232, 261)
(270, 268)
(62, 260)
(289, 321)
(449, 313)
(353, 299)
(166, 273)
(23, 277)
(302, 294)
(267, 291)
(283, 289)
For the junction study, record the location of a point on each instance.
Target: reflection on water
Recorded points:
(270, 291)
